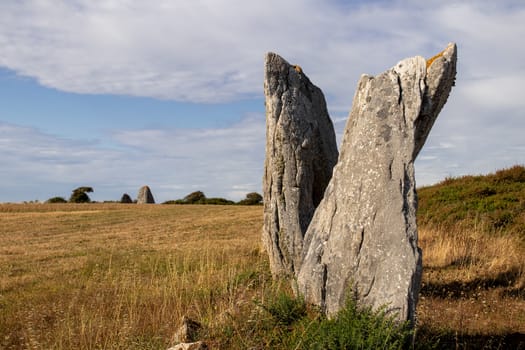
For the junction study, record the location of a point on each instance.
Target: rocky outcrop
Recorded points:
(362, 240)
(145, 196)
(300, 153)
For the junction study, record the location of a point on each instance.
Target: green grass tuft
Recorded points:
(284, 309)
(356, 328)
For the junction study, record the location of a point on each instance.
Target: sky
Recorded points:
(118, 94)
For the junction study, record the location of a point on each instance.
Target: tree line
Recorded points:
(80, 195)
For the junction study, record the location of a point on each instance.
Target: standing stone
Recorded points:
(301, 152)
(145, 196)
(362, 241)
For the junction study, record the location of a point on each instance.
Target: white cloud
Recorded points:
(38, 163)
(217, 161)
(498, 92)
(221, 162)
(212, 50)
(195, 51)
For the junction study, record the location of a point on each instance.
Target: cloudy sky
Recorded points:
(118, 94)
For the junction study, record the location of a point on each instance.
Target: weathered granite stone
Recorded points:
(362, 240)
(145, 196)
(301, 152)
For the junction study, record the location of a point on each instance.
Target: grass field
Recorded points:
(121, 276)
(116, 276)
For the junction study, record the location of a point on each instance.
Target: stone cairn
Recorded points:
(353, 233)
(145, 196)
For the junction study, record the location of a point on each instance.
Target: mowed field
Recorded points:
(117, 276)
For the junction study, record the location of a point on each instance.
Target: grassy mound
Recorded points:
(490, 203)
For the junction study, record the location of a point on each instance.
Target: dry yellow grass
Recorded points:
(473, 283)
(474, 254)
(113, 276)
(121, 276)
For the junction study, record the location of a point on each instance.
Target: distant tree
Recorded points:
(252, 198)
(195, 197)
(56, 200)
(218, 201)
(126, 199)
(79, 195)
(174, 201)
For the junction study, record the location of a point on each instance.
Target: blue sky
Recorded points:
(118, 94)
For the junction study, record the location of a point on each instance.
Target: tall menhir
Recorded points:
(362, 241)
(300, 153)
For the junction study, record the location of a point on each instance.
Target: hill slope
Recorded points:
(490, 203)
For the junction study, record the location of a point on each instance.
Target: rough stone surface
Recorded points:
(190, 346)
(185, 336)
(145, 196)
(362, 240)
(187, 332)
(301, 152)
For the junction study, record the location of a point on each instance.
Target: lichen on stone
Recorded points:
(433, 58)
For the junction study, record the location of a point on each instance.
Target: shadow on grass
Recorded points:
(448, 341)
(458, 289)
(518, 293)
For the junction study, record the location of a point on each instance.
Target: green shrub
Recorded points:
(293, 325)
(356, 328)
(126, 199)
(198, 197)
(175, 201)
(56, 200)
(195, 197)
(252, 198)
(285, 309)
(489, 202)
(218, 201)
